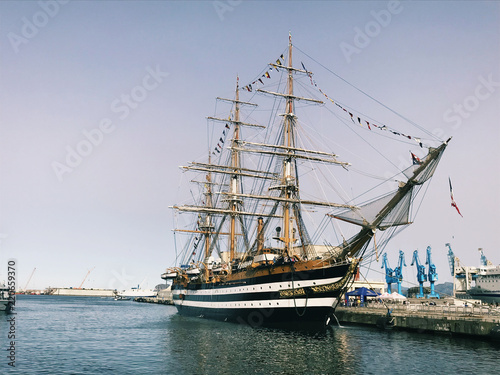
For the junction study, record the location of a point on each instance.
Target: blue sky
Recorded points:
(145, 74)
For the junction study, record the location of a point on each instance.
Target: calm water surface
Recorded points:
(87, 335)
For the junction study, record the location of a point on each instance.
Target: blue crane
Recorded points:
(421, 276)
(432, 274)
(484, 260)
(451, 259)
(389, 273)
(398, 271)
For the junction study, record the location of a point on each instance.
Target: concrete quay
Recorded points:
(75, 292)
(159, 300)
(164, 297)
(479, 321)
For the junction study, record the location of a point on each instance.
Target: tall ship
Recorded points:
(272, 238)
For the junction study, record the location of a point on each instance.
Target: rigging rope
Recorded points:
(293, 293)
(371, 97)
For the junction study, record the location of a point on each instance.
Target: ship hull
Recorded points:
(275, 298)
(4, 305)
(485, 295)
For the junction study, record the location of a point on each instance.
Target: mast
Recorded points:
(233, 187)
(289, 182)
(205, 223)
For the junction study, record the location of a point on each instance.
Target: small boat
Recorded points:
(5, 301)
(170, 274)
(137, 292)
(121, 298)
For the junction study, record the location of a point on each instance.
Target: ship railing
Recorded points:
(330, 260)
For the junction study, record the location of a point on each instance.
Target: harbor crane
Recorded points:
(85, 278)
(432, 274)
(421, 276)
(462, 276)
(484, 260)
(29, 279)
(451, 259)
(398, 271)
(389, 273)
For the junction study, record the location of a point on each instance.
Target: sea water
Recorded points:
(89, 335)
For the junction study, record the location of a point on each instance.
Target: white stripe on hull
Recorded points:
(256, 288)
(261, 304)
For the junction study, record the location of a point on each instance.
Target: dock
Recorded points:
(471, 320)
(81, 292)
(159, 300)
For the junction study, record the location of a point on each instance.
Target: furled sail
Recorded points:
(420, 175)
(366, 214)
(393, 209)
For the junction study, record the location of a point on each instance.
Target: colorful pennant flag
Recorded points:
(415, 159)
(222, 139)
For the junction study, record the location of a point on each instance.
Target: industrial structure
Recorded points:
(393, 275)
(486, 279)
(421, 276)
(432, 274)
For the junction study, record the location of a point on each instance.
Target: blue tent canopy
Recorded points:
(362, 292)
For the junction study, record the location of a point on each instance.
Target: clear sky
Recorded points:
(102, 101)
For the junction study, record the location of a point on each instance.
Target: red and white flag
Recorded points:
(453, 204)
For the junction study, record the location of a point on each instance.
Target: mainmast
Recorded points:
(289, 183)
(233, 187)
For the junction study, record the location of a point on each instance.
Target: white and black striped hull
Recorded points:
(290, 300)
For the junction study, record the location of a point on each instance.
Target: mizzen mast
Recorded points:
(205, 223)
